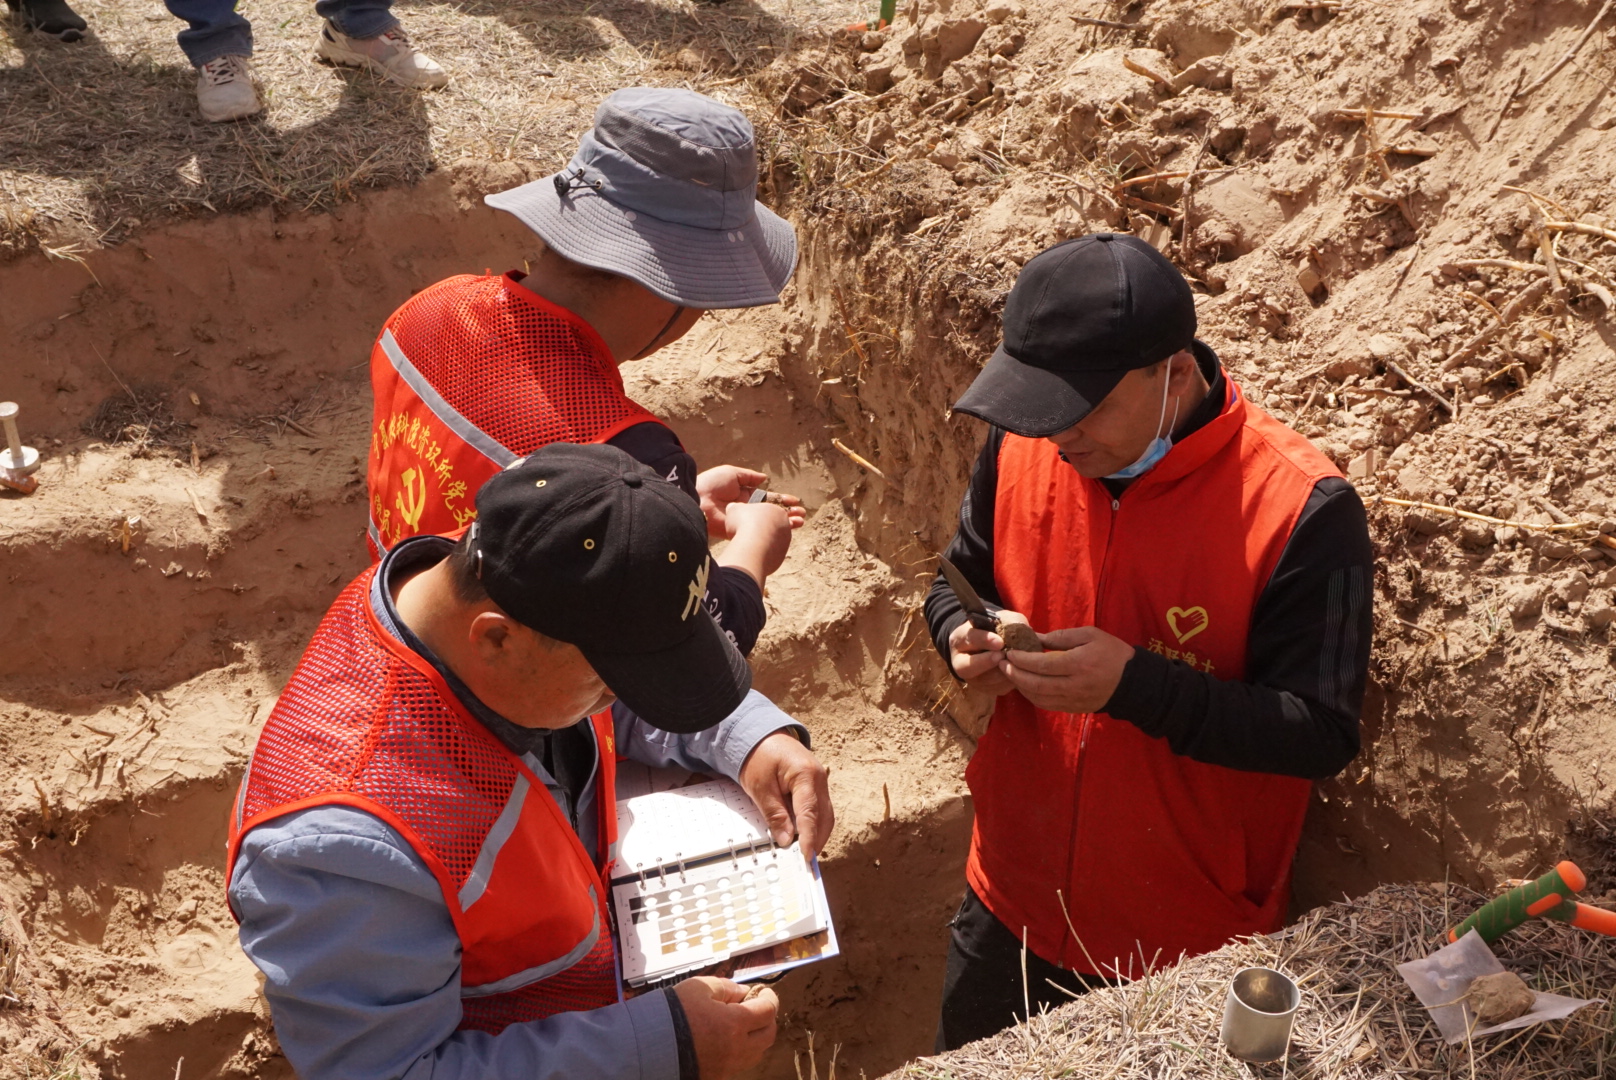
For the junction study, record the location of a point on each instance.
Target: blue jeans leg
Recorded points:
(358, 18)
(216, 30)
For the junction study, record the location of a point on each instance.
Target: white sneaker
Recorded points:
(389, 55)
(224, 89)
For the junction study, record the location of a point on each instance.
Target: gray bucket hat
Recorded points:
(663, 190)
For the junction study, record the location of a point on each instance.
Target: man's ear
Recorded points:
(1182, 369)
(490, 634)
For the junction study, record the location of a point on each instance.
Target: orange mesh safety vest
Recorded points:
(367, 723)
(1151, 854)
(469, 375)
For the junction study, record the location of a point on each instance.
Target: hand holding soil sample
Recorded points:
(1017, 634)
(1015, 631)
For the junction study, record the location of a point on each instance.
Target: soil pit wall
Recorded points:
(1348, 264)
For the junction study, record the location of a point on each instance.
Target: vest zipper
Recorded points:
(1083, 732)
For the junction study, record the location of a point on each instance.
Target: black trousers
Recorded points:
(982, 988)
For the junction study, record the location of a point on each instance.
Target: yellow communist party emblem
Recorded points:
(1185, 623)
(411, 502)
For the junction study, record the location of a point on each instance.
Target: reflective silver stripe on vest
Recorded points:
(468, 432)
(542, 971)
(375, 533)
(504, 826)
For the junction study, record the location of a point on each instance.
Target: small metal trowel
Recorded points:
(1018, 636)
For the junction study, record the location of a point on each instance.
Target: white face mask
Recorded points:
(1159, 446)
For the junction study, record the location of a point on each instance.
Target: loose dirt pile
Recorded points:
(203, 406)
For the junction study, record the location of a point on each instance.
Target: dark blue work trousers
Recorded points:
(217, 29)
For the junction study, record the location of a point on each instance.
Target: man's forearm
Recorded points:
(971, 550)
(613, 1043)
(1238, 725)
(735, 599)
(722, 749)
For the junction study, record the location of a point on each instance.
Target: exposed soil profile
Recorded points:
(199, 391)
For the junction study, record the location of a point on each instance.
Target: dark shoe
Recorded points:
(52, 18)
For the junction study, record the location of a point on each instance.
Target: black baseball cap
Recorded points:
(586, 545)
(1080, 316)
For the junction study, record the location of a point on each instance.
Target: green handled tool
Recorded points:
(889, 11)
(1585, 917)
(1546, 897)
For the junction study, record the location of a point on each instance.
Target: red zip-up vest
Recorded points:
(365, 722)
(1149, 853)
(469, 375)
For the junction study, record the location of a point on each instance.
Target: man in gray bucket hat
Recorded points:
(654, 222)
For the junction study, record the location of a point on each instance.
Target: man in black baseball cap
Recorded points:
(1082, 316)
(1199, 575)
(597, 550)
(420, 851)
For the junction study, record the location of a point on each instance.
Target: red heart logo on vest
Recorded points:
(1186, 622)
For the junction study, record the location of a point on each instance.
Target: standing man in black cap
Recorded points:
(1200, 578)
(420, 850)
(653, 223)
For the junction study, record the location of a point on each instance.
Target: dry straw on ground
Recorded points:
(102, 136)
(1358, 1019)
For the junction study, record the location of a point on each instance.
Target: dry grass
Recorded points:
(66, 1066)
(139, 416)
(10, 957)
(32, 1044)
(1358, 1019)
(101, 136)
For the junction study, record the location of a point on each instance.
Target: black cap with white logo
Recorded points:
(1081, 316)
(586, 545)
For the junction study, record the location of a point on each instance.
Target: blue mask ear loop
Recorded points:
(1174, 425)
(1158, 446)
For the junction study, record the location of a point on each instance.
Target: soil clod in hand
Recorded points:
(1019, 636)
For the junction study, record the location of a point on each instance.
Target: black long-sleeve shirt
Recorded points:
(733, 597)
(1296, 713)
